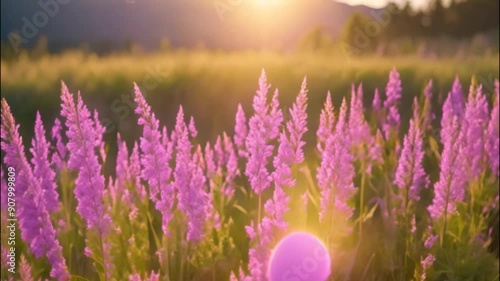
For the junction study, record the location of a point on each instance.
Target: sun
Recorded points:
(266, 3)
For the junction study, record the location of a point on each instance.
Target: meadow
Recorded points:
(203, 80)
(402, 185)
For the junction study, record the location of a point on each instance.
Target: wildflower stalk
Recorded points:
(83, 138)
(362, 199)
(443, 232)
(259, 214)
(165, 258)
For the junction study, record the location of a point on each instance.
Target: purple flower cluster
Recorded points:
(263, 127)
(410, 174)
(326, 123)
(34, 218)
(336, 172)
(83, 140)
(41, 166)
(189, 182)
(393, 95)
(359, 130)
(154, 160)
(474, 129)
(492, 142)
(450, 187)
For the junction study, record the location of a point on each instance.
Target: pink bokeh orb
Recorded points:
(299, 256)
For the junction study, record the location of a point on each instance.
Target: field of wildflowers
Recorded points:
(421, 207)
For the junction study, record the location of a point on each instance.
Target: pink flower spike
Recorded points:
(492, 142)
(41, 166)
(428, 115)
(189, 182)
(326, 123)
(393, 95)
(474, 130)
(34, 219)
(410, 174)
(155, 168)
(336, 172)
(82, 136)
(450, 188)
(297, 126)
(359, 130)
(263, 127)
(59, 155)
(240, 131)
(192, 128)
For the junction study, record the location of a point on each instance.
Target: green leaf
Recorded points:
(241, 209)
(369, 215)
(434, 148)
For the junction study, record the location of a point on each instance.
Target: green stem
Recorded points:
(441, 240)
(362, 200)
(166, 263)
(406, 227)
(260, 207)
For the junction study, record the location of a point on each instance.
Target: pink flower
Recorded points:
(336, 172)
(209, 161)
(492, 141)
(359, 130)
(231, 166)
(377, 102)
(326, 123)
(122, 165)
(453, 106)
(410, 174)
(134, 171)
(59, 155)
(240, 131)
(430, 241)
(192, 128)
(34, 219)
(426, 264)
(297, 126)
(100, 130)
(393, 95)
(474, 129)
(428, 115)
(83, 141)
(451, 185)
(41, 166)
(189, 182)
(25, 270)
(282, 163)
(264, 126)
(220, 156)
(155, 168)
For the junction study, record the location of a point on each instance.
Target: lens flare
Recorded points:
(299, 256)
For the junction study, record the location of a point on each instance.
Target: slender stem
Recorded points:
(181, 274)
(166, 263)
(222, 205)
(362, 200)
(260, 207)
(330, 238)
(406, 226)
(103, 258)
(445, 221)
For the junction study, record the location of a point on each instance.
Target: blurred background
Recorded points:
(207, 54)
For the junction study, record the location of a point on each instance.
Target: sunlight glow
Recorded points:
(266, 3)
(299, 256)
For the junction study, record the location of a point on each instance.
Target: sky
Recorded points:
(381, 3)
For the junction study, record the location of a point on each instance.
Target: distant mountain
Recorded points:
(185, 23)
